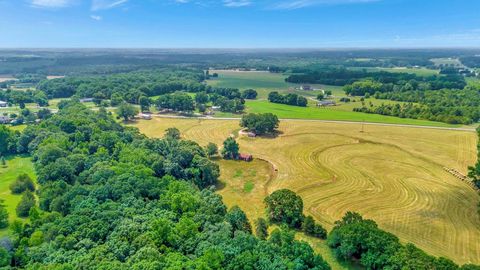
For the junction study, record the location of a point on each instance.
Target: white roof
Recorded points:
(3, 102)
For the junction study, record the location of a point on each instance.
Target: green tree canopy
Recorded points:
(260, 123)
(284, 206)
(230, 149)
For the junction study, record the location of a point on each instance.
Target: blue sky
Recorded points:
(239, 23)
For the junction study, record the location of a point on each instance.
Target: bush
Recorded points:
(3, 215)
(25, 204)
(261, 229)
(22, 184)
(309, 227)
(249, 94)
(212, 149)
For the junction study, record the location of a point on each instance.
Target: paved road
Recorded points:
(321, 121)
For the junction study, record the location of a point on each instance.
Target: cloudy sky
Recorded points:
(239, 23)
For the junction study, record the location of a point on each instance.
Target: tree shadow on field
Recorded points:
(220, 185)
(271, 135)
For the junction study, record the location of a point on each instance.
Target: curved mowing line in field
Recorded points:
(390, 174)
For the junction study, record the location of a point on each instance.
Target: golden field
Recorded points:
(393, 175)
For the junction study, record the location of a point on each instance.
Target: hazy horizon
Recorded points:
(242, 24)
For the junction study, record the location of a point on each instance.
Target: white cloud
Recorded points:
(236, 3)
(51, 3)
(96, 17)
(106, 4)
(295, 4)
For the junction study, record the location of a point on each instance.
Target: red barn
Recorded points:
(245, 157)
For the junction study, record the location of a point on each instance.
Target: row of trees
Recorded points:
(110, 198)
(21, 97)
(289, 99)
(343, 76)
(450, 106)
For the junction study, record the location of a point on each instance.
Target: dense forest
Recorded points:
(449, 106)
(129, 85)
(110, 198)
(389, 80)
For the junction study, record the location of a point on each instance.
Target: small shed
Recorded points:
(324, 103)
(305, 87)
(3, 104)
(245, 157)
(146, 116)
(83, 100)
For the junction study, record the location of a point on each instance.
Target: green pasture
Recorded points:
(16, 165)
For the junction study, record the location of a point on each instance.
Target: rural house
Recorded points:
(306, 87)
(3, 104)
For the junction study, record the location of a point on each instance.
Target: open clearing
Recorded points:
(393, 175)
(15, 166)
(265, 82)
(342, 112)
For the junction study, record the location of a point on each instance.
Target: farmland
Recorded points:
(393, 175)
(339, 113)
(265, 82)
(15, 166)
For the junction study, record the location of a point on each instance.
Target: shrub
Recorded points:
(22, 184)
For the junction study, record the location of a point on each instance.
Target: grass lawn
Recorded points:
(338, 113)
(393, 175)
(16, 165)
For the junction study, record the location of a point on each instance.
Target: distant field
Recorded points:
(447, 61)
(339, 113)
(15, 166)
(418, 71)
(4, 78)
(393, 175)
(263, 82)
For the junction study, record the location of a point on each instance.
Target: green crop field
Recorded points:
(263, 82)
(16, 165)
(332, 113)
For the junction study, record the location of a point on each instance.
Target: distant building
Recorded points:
(145, 116)
(3, 104)
(251, 134)
(83, 100)
(5, 119)
(245, 157)
(216, 108)
(306, 87)
(324, 103)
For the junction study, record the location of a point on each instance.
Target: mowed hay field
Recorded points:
(393, 175)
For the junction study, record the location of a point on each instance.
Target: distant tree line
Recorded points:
(389, 81)
(474, 171)
(289, 99)
(449, 106)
